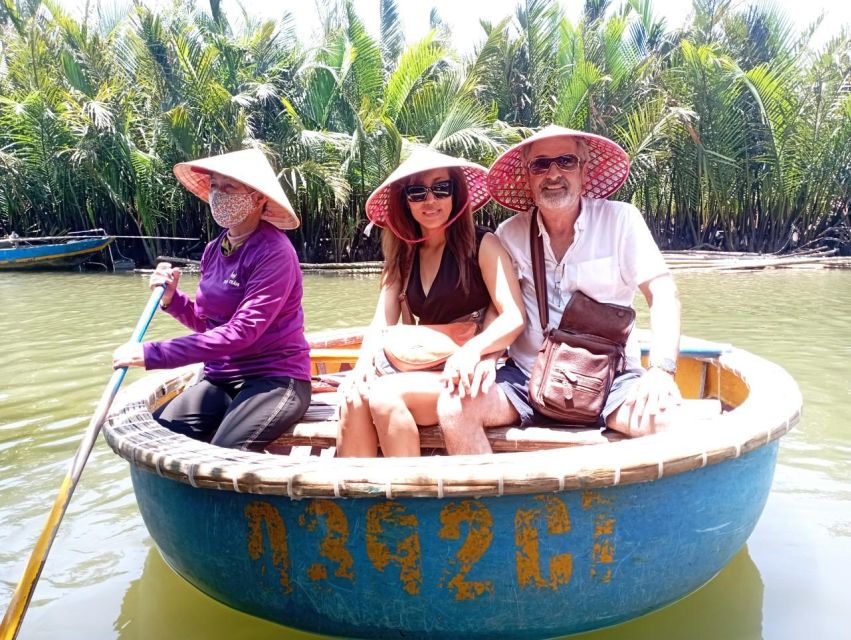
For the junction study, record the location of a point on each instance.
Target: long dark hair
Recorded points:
(460, 235)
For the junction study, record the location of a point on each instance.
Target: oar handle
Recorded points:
(11, 624)
(142, 327)
(112, 387)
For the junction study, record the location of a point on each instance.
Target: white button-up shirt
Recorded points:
(611, 255)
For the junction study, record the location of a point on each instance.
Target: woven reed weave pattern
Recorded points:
(606, 172)
(771, 408)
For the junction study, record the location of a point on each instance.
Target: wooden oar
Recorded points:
(11, 624)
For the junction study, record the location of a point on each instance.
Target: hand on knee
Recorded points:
(353, 401)
(625, 420)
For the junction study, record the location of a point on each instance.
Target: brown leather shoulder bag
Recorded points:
(578, 361)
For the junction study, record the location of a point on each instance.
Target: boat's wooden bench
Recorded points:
(319, 429)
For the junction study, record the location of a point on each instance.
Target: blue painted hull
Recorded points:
(523, 566)
(51, 256)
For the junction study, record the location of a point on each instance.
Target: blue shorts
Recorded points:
(515, 385)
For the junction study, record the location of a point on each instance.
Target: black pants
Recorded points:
(246, 414)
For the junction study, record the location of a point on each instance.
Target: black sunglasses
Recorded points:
(419, 192)
(566, 162)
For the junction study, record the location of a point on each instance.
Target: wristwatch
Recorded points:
(668, 365)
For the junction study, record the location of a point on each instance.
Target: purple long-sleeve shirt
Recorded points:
(247, 313)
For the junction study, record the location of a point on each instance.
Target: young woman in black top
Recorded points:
(426, 208)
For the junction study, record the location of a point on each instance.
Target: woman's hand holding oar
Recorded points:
(131, 354)
(11, 624)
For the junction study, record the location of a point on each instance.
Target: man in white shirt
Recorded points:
(600, 247)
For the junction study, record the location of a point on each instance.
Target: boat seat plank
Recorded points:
(318, 428)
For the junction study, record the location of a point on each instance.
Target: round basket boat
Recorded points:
(560, 531)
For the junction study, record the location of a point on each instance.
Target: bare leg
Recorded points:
(462, 420)
(399, 402)
(356, 437)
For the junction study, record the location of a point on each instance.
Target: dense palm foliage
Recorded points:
(739, 131)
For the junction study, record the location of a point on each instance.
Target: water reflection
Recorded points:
(161, 604)
(59, 331)
(156, 605)
(728, 607)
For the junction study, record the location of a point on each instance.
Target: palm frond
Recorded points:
(392, 36)
(413, 65)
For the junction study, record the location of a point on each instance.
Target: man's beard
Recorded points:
(563, 198)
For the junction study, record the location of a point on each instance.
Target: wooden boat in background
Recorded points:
(22, 253)
(566, 530)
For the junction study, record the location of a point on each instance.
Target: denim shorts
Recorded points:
(382, 364)
(515, 385)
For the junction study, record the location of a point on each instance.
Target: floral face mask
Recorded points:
(230, 209)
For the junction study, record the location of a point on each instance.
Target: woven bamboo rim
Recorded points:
(772, 407)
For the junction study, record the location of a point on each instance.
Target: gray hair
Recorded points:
(582, 150)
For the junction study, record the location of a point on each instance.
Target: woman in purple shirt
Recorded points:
(247, 314)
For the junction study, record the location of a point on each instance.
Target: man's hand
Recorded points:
(129, 354)
(653, 395)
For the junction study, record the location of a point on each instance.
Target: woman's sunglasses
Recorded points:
(566, 162)
(419, 192)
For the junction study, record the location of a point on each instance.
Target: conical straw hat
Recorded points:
(605, 172)
(425, 159)
(251, 168)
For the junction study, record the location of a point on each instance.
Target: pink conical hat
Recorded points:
(425, 159)
(251, 168)
(606, 170)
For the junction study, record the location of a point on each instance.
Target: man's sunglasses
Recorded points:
(419, 192)
(566, 162)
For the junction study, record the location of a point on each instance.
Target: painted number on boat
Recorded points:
(392, 543)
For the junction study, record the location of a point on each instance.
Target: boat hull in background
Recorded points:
(51, 256)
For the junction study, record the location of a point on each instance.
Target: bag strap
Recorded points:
(539, 270)
(407, 316)
(539, 276)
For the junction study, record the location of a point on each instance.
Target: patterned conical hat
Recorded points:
(251, 168)
(605, 172)
(425, 159)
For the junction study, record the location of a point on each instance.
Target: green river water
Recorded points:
(104, 578)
